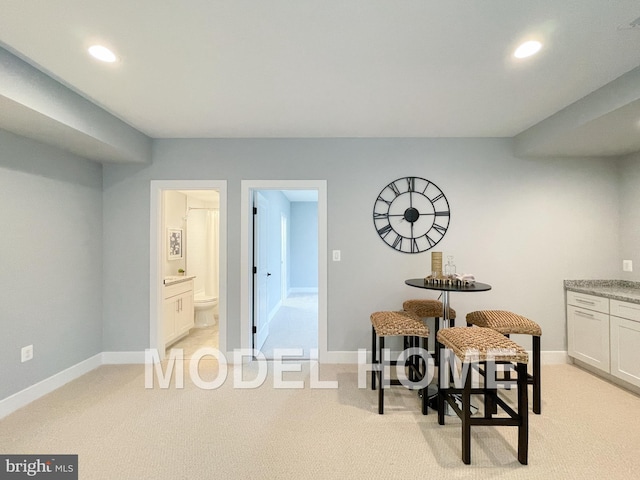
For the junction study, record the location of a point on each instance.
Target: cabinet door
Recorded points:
(185, 317)
(169, 313)
(588, 336)
(625, 349)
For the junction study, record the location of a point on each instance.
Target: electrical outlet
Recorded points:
(627, 266)
(336, 255)
(26, 353)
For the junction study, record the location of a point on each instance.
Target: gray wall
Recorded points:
(51, 254)
(630, 214)
(521, 225)
(304, 245)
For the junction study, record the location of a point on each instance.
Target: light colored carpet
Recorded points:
(588, 429)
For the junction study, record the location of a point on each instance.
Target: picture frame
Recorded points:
(174, 243)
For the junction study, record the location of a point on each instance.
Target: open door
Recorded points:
(260, 273)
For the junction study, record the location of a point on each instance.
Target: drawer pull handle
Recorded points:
(630, 308)
(585, 301)
(584, 314)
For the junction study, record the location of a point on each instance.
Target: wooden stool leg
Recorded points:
(410, 363)
(436, 327)
(374, 361)
(507, 372)
(537, 396)
(381, 377)
(523, 414)
(490, 394)
(441, 389)
(425, 372)
(466, 419)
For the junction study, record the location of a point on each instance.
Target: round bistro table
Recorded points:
(446, 290)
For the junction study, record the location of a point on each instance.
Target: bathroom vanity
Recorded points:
(177, 308)
(603, 328)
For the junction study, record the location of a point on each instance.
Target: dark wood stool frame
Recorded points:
(492, 400)
(533, 379)
(417, 368)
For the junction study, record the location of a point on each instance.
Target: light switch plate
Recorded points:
(336, 255)
(627, 266)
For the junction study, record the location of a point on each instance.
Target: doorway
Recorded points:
(282, 302)
(285, 313)
(158, 267)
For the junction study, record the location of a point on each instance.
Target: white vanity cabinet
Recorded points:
(588, 329)
(177, 310)
(625, 341)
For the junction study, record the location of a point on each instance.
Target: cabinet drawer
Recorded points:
(598, 304)
(177, 289)
(579, 315)
(625, 310)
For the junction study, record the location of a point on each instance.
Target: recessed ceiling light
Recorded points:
(527, 49)
(102, 53)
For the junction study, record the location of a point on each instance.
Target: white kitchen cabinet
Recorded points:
(588, 329)
(625, 341)
(177, 310)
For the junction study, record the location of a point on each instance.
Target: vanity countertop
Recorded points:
(173, 279)
(622, 290)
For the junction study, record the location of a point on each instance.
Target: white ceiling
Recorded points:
(331, 68)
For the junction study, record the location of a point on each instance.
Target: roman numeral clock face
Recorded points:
(411, 214)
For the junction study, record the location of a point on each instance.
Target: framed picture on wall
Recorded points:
(174, 243)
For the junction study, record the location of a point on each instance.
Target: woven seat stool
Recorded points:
(509, 323)
(479, 345)
(425, 308)
(390, 324)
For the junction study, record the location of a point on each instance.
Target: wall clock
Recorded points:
(411, 214)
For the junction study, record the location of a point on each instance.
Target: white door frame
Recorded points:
(156, 257)
(246, 267)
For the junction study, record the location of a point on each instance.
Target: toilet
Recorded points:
(204, 309)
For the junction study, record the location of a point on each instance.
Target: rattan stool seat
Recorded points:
(481, 344)
(504, 322)
(427, 308)
(388, 324)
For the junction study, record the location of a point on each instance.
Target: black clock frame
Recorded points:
(411, 214)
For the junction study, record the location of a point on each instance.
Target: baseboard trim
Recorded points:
(122, 358)
(24, 397)
(48, 385)
(554, 357)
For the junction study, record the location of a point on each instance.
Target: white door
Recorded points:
(261, 274)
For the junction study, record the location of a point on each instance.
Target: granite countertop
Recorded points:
(622, 290)
(172, 279)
